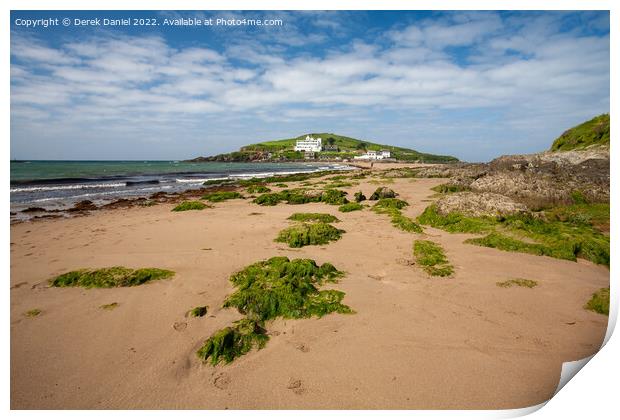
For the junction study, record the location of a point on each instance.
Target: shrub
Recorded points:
(218, 196)
(110, 277)
(190, 205)
(313, 217)
(309, 234)
(599, 302)
(345, 208)
(431, 257)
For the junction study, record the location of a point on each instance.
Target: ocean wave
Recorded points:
(97, 194)
(66, 187)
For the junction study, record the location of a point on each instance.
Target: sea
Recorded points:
(61, 184)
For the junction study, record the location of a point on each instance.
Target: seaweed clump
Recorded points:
(309, 234)
(432, 258)
(313, 217)
(110, 277)
(216, 197)
(392, 207)
(269, 289)
(197, 312)
(599, 302)
(346, 208)
(190, 205)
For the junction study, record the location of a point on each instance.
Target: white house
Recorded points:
(309, 144)
(374, 155)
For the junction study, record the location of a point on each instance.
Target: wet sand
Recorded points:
(415, 342)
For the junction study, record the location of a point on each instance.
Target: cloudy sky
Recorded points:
(470, 84)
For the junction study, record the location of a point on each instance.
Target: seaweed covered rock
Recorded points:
(479, 205)
(359, 197)
(231, 342)
(304, 234)
(383, 192)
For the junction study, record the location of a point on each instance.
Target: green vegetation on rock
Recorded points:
(302, 196)
(218, 196)
(599, 302)
(589, 133)
(305, 234)
(518, 282)
(455, 222)
(432, 258)
(313, 217)
(450, 188)
(190, 205)
(110, 277)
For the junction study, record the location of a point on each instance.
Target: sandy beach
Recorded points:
(415, 342)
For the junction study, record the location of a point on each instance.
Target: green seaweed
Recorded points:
(346, 208)
(599, 302)
(285, 288)
(216, 197)
(313, 217)
(392, 207)
(197, 312)
(229, 343)
(33, 313)
(309, 234)
(258, 189)
(190, 205)
(455, 222)
(518, 282)
(109, 306)
(432, 258)
(110, 277)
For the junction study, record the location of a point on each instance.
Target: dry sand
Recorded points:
(415, 341)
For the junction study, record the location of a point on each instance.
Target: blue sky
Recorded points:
(475, 85)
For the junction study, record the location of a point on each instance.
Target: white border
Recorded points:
(591, 395)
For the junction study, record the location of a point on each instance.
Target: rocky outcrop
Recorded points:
(382, 192)
(479, 204)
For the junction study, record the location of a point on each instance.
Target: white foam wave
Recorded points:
(66, 187)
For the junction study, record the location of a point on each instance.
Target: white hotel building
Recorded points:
(309, 144)
(374, 155)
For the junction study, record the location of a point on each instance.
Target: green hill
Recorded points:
(347, 147)
(589, 133)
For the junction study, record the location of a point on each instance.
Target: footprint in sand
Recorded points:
(180, 326)
(18, 285)
(221, 381)
(302, 347)
(297, 386)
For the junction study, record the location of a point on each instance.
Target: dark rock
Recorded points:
(382, 192)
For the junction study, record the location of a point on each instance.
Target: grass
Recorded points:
(216, 197)
(270, 289)
(392, 207)
(190, 205)
(229, 343)
(197, 312)
(599, 302)
(518, 282)
(33, 313)
(110, 277)
(258, 189)
(345, 208)
(109, 306)
(313, 217)
(595, 131)
(309, 234)
(432, 258)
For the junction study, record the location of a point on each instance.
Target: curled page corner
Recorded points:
(570, 369)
